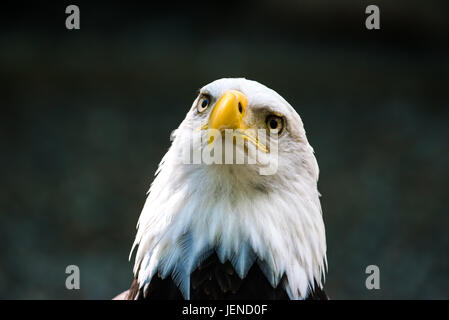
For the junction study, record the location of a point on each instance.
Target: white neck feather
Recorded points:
(192, 210)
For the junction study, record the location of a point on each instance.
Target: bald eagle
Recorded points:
(224, 230)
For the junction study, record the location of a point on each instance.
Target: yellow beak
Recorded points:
(229, 111)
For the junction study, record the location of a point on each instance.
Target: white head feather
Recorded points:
(247, 218)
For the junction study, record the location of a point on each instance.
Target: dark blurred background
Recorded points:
(86, 117)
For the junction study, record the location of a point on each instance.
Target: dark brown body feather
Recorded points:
(213, 280)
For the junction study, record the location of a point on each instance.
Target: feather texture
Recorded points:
(196, 212)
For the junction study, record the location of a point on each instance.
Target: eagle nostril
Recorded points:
(240, 108)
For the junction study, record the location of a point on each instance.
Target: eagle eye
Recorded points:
(274, 124)
(203, 103)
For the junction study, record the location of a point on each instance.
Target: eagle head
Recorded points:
(239, 180)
